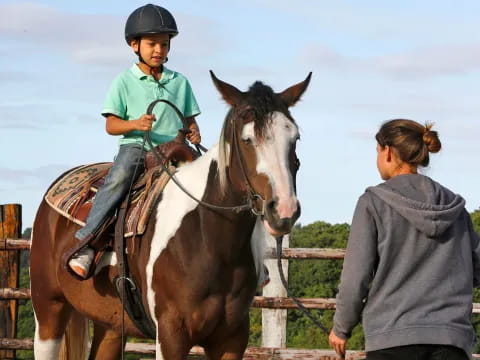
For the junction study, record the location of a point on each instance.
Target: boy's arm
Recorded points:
(118, 126)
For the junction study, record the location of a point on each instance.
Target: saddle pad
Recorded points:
(73, 194)
(68, 193)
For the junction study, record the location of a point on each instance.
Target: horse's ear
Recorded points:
(291, 95)
(230, 93)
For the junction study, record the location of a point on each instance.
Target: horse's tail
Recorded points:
(75, 345)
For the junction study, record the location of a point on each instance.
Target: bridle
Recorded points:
(253, 196)
(252, 199)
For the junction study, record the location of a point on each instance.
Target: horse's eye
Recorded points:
(247, 141)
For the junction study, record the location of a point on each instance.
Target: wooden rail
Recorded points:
(196, 352)
(258, 302)
(252, 353)
(289, 253)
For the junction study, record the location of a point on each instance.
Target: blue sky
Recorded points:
(371, 61)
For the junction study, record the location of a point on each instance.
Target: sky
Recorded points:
(372, 61)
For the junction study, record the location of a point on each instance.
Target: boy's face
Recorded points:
(153, 48)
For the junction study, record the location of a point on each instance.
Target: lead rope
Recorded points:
(297, 302)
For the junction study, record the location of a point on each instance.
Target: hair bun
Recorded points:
(430, 139)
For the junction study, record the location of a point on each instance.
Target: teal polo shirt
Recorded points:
(132, 92)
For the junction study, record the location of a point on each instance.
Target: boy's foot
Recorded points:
(81, 261)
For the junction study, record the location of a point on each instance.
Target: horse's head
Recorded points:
(257, 150)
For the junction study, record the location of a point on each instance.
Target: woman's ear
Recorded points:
(388, 149)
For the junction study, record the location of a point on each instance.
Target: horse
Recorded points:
(197, 266)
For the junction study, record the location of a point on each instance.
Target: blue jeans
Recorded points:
(117, 183)
(419, 352)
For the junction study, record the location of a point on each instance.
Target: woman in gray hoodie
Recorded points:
(412, 258)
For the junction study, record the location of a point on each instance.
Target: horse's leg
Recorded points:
(52, 311)
(106, 344)
(231, 348)
(51, 322)
(172, 340)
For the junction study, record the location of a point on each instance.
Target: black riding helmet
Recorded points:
(149, 19)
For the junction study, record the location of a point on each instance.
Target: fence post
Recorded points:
(10, 227)
(274, 322)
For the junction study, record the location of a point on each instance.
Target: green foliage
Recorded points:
(255, 327)
(25, 320)
(314, 278)
(476, 220)
(307, 278)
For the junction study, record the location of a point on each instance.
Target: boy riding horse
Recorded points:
(148, 30)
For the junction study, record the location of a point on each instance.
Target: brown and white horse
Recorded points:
(197, 267)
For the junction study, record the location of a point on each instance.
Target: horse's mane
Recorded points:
(261, 101)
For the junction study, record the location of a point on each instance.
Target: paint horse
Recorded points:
(197, 267)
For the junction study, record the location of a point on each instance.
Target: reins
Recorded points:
(238, 208)
(123, 263)
(301, 307)
(248, 206)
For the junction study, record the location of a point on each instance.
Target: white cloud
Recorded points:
(42, 174)
(94, 39)
(445, 60)
(442, 60)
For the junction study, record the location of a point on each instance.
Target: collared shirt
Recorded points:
(133, 91)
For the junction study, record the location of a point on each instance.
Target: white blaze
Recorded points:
(272, 159)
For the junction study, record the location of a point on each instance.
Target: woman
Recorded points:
(412, 258)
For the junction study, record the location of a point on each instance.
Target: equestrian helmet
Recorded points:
(149, 19)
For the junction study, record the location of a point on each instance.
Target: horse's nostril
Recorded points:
(271, 205)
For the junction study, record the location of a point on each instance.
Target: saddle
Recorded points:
(72, 195)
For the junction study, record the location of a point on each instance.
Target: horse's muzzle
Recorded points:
(277, 226)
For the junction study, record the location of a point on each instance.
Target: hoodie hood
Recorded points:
(427, 205)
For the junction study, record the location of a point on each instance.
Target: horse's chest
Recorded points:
(217, 313)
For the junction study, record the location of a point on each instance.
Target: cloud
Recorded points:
(43, 174)
(93, 38)
(15, 77)
(441, 60)
(38, 114)
(433, 61)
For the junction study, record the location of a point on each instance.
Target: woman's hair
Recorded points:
(411, 140)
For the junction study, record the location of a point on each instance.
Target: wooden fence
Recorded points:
(274, 305)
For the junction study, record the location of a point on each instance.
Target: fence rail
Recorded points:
(197, 352)
(9, 293)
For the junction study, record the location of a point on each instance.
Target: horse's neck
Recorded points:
(203, 177)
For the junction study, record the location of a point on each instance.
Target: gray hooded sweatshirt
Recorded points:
(412, 261)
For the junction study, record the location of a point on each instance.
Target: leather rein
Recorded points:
(249, 206)
(143, 320)
(253, 196)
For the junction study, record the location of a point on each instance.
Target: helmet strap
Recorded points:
(153, 70)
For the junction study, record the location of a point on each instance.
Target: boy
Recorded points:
(148, 30)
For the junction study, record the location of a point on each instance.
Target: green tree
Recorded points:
(316, 278)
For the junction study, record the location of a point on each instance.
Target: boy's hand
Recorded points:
(194, 135)
(144, 123)
(338, 344)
